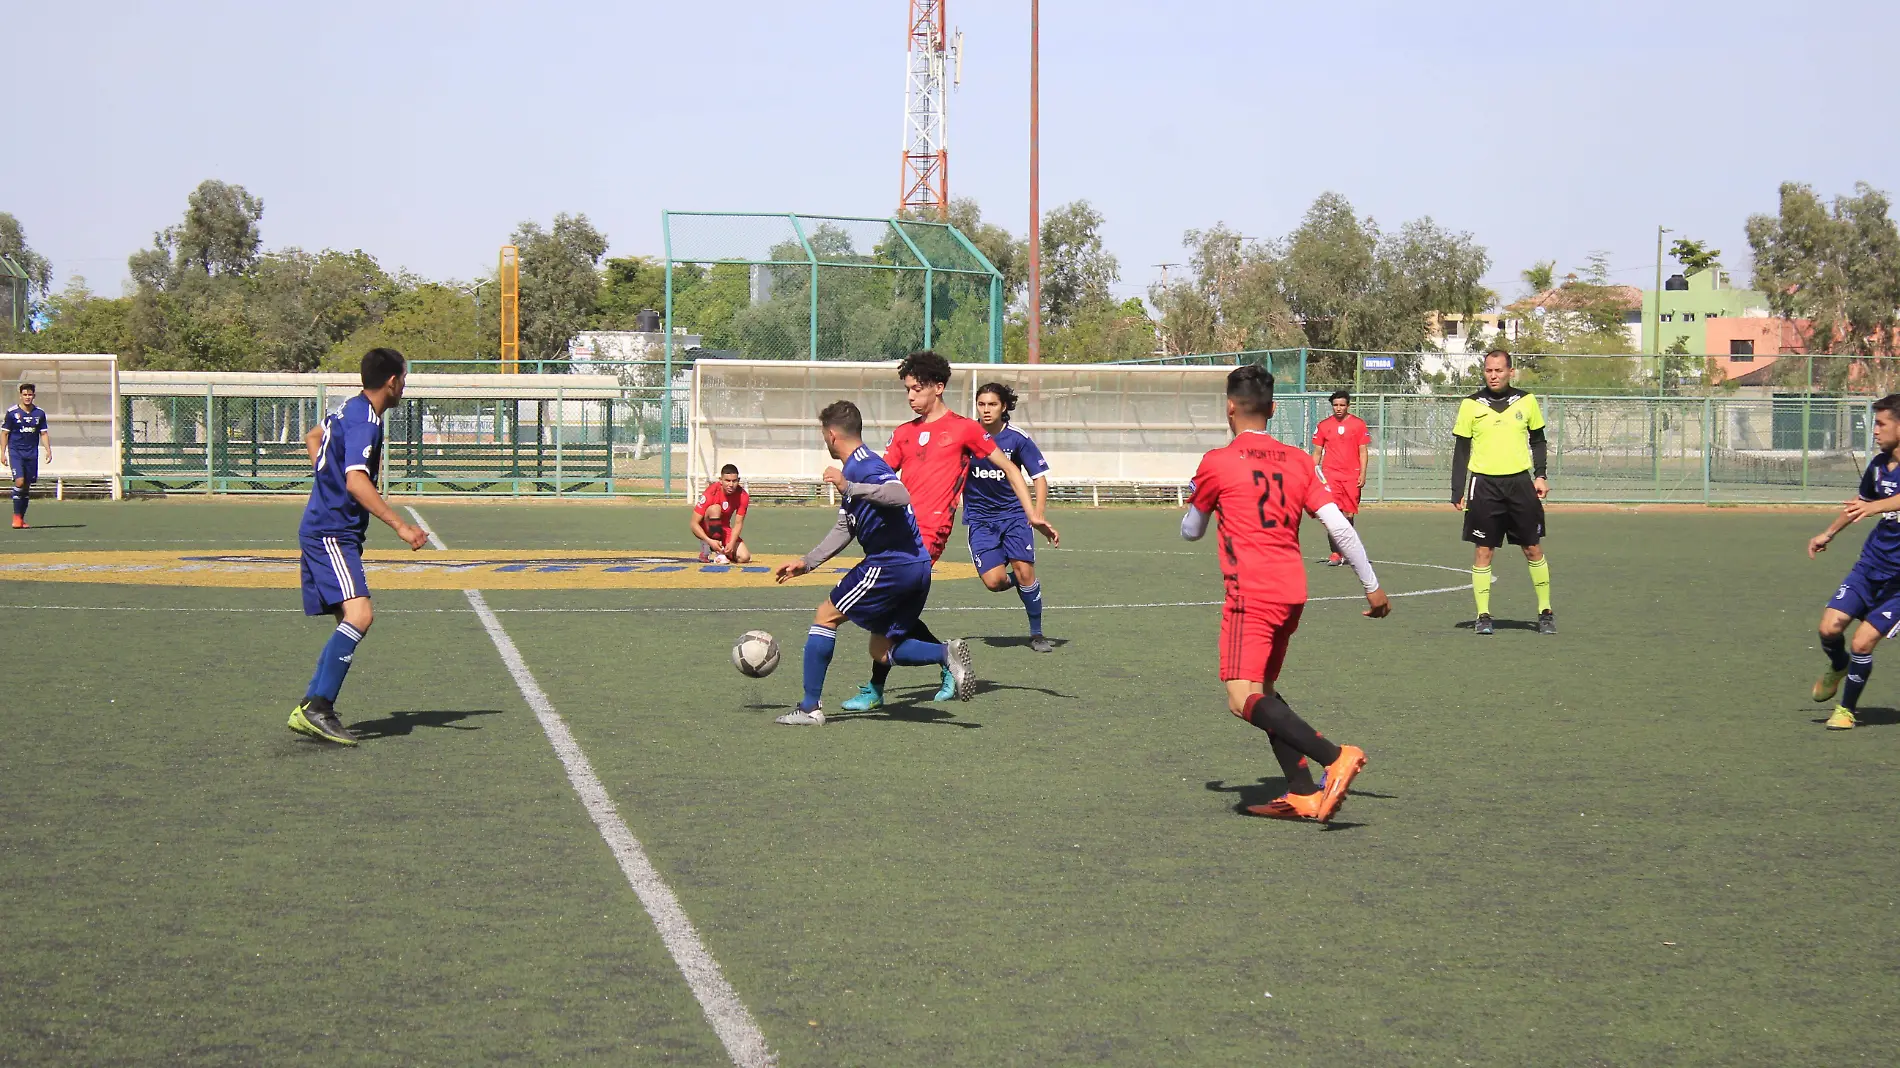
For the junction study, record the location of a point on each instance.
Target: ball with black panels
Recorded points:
(755, 654)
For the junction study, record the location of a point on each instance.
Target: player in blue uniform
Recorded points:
(1001, 543)
(26, 431)
(346, 451)
(1871, 591)
(886, 591)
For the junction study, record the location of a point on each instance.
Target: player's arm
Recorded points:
(1460, 468)
(698, 525)
(1861, 508)
(46, 441)
(1365, 458)
(313, 443)
(1346, 539)
(1203, 494)
(1021, 487)
(1819, 543)
(828, 546)
(365, 493)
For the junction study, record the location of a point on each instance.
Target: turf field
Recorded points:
(1631, 844)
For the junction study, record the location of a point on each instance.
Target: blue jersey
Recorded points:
(888, 535)
(352, 441)
(1880, 555)
(24, 429)
(987, 497)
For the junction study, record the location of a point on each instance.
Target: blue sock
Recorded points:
(819, 643)
(1858, 671)
(1032, 603)
(334, 663)
(1836, 649)
(913, 653)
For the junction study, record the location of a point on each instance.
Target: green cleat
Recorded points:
(300, 723)
(948, 691)
(1827, 684)
(867, 698)
(317, 719)
(1841, 720)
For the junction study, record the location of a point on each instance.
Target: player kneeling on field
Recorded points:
(719, 517)
(1260, 488)
(886, 592)
(1871, 591)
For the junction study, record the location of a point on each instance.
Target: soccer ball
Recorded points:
(756, 654)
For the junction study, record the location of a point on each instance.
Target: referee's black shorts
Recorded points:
(1498, 507)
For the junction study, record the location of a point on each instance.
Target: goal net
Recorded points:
(81, 398)
(1122, 432)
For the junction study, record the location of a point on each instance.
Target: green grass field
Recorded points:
(1631, 844)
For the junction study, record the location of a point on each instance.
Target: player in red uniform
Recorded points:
(932, 455)
(1260, 487)
(718, 518)
(1340, 445)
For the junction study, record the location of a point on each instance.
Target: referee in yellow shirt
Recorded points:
(1497, 481)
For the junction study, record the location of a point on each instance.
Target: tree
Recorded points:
(78, 321)
(629, 286)
(1076, 269)
(1837, 266)
(559, 285)
(220, 232)
(430, 321)
(1006, 252)
(39, 270)
(1540, 276)
(1694, 256)
(1585, 314)
(1101, 333)
(1231, 301)
(301, 304)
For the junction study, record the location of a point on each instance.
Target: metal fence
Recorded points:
(1113, 432)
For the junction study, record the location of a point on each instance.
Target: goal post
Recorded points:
(80, 394)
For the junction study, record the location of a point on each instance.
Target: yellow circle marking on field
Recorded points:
(460, 569)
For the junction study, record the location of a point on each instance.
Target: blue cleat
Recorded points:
(948, 692)
(868, 697)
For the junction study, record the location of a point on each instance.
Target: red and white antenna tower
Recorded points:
(932, 65)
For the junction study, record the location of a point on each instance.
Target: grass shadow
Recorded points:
(401, 724)
(1871, 717)
(895, 710)
(1264, 790)
(1020, 641)
(56, 526)
(1501, 624)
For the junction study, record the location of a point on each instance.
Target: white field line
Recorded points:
(743, 1040)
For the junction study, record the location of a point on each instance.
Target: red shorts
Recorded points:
(1345, 493)
(935, 540)
(1254, 637)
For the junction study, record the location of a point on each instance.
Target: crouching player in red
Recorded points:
(1260, 487)
(719, 517)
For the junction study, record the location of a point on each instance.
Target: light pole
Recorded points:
(1035, 192)
(475, 290)
(1655, 337)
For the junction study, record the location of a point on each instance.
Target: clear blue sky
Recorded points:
(423, 131)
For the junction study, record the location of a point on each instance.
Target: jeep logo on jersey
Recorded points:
(991, 472)
(923, 438)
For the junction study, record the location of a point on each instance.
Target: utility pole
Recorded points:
(1035, 183)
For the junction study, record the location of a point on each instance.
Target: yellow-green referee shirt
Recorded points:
(1496, 434)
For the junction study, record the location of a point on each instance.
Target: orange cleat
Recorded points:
(1289, 807)
(1339, 775)
(19, 522)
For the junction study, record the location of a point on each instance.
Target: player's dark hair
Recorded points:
(1889, 404)
(24, 386)
(1250, 387)
(1003, 393)
(926, 367)
(729, 469)
(1340, 394)
(1508, 362)
(381, 365)
(844, 417)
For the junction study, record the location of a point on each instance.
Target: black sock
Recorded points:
(1836, 649)
(1299, 777)
(880, 670)
(921, 631)
(1272, 714)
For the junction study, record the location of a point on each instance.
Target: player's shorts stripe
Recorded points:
(857, 592)
(341, 569)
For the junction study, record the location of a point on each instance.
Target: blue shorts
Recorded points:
(994, 543)
(1875, 600)
(25, 466)
(884, 598)
(332, 571)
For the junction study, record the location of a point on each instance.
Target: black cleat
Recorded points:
(1483, 625)
(1040, 644)
(1546, 623)
(319, 717)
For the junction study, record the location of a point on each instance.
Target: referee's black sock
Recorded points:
(1272, 714)
(921, 632)
(1835, 646)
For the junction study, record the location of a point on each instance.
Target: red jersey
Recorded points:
(933, 459)
(730, 505)
(1260, 487)
(1339, 441)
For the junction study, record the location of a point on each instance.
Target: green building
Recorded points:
(13, 289)
(1688, 302)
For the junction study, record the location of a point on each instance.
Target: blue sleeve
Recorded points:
(1868, 487)
(360, 441)
(1030, 459)
(11, 423)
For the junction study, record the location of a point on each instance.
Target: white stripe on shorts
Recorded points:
(857, 593)
(341, 568)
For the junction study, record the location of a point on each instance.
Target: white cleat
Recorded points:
(803, 717)
(961, 672)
